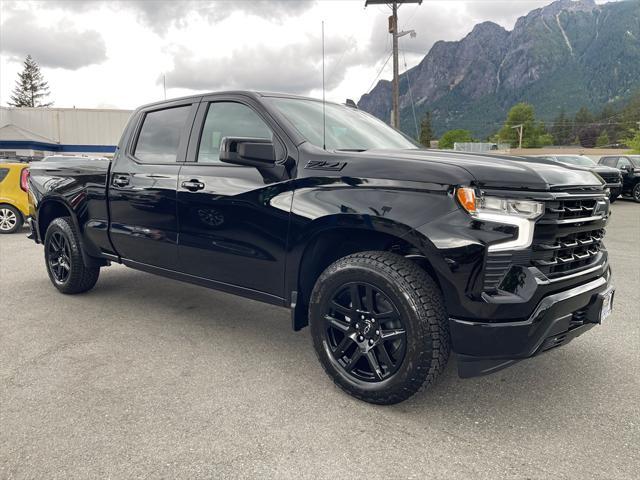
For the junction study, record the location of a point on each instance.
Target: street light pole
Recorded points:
(520, 131)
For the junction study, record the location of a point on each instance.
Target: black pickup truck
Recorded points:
(394, 255)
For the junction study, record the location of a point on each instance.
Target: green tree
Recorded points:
(629, 117)
(583, 117)
(452, 137)
(533, 133)
(562, 129)
(603, 140)
(426, 130)
(31, 88)
(634, 143)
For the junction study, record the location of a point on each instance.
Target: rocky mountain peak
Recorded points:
(567, 54)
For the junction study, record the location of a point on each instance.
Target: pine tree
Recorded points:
(562, 129)
(31, 87)
(426, 131)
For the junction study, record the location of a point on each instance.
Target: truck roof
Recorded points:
(251, 93)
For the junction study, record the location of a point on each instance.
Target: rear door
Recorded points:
(232, 220)
(143, 182)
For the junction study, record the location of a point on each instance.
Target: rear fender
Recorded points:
(57, 205)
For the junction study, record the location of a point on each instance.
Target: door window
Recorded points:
(623, 162)
(160, 135)
(229, 119)
(609, 161)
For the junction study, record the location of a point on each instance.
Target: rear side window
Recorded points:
(160, 135)
(3, 173)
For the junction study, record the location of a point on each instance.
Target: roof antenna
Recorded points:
(324, 115)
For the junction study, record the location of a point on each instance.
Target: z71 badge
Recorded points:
(324, 165)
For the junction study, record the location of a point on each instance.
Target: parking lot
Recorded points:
(144, 377)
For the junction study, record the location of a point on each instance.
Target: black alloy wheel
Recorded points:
(379, 326)
(636, 192)
(365, 332)
(59, 257)
(64, 259)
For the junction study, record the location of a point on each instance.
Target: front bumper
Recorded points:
(614, 188)
(486, 347)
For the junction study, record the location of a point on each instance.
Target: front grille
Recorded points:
(568, 238)
(612, 177)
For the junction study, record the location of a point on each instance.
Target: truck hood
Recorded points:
(498, 171)
(603, 169)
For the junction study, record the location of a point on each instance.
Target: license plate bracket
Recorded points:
(606, 304)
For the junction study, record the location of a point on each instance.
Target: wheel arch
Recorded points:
(13, 205)
(52, 208)
(329, 242)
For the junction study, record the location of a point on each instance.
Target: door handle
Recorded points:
(120, 180)
(193, 185)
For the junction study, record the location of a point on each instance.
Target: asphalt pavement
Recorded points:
(144, 377)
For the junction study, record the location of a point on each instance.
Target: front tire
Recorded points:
(10, 219)
(379, 326)
(63, 258)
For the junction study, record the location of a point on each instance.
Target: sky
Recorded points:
(121, 54)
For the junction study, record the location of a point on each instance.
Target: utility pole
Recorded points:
(520, 131)
(393, 30)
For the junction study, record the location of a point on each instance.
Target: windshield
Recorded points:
(577, 160)
(635, 159)
(346, 128)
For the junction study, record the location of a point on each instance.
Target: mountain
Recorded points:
(567, 55)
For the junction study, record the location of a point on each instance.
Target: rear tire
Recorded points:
(635, 194)
(10, 219)
(63, 258)
(379, 326)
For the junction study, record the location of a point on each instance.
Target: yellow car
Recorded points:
(14, 203)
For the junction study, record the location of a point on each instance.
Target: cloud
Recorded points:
(160, 15)
(295, 68)
(55, 47)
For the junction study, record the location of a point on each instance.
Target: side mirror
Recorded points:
(625, 168)
(252, 152)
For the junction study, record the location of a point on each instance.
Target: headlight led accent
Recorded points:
(519, 213)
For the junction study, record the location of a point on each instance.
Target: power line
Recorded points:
(379, 73)
(413, 105)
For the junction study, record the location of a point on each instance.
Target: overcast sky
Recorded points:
(110, 54)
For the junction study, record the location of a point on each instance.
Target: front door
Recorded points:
(232, 221)
(142, 187)
(627, 177)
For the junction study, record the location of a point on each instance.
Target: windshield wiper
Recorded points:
(351, 149)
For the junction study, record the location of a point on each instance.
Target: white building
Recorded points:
(38, 132)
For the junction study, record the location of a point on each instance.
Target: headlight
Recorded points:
(519, 213)
(477, 205)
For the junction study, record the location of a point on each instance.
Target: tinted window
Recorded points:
(3, 173)
(228, 119)
(160, 135)
(623, 162)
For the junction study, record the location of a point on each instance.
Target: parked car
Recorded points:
(394, 255)
(611, 176)
(14, 204)
(629, 167)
